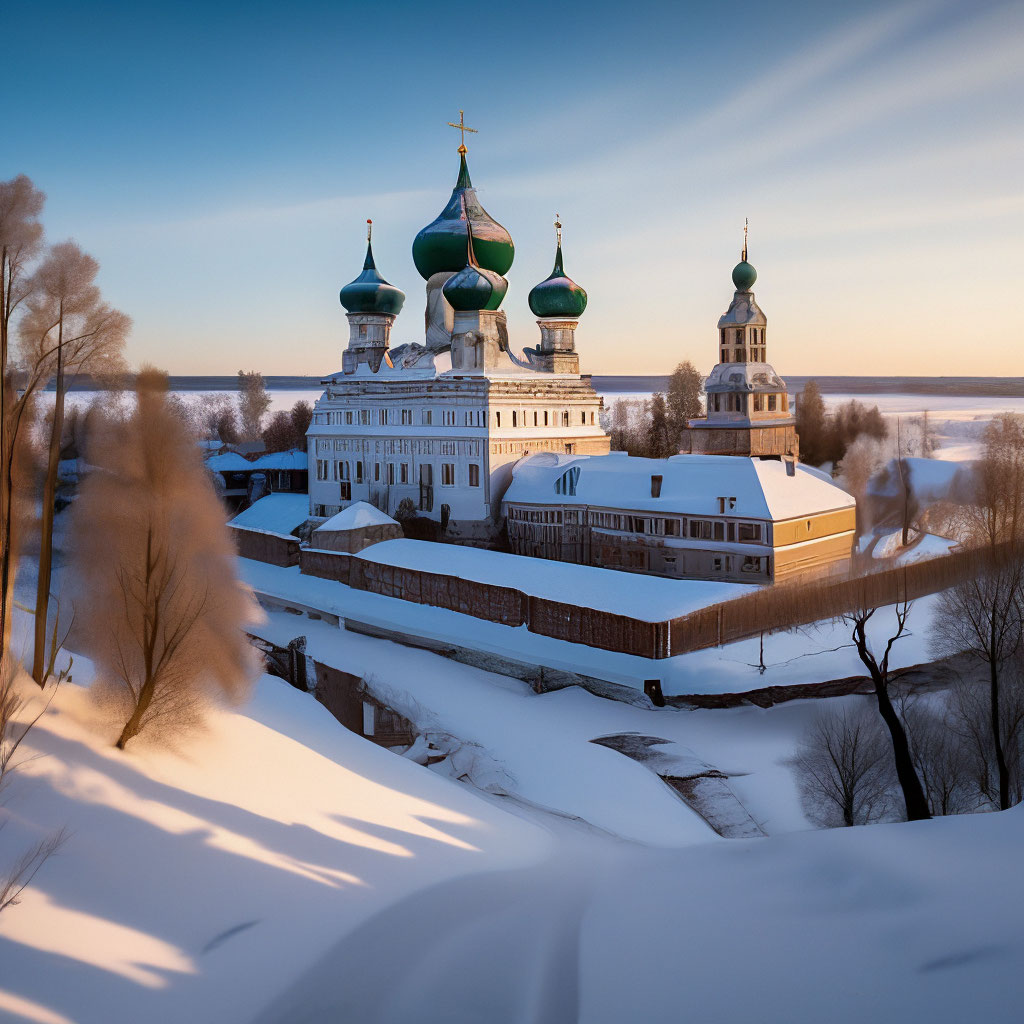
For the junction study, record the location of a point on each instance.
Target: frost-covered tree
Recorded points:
(20, 238)
(158, 607)
(811, 425)
(685, 387)
(67, 331)
(253, 403)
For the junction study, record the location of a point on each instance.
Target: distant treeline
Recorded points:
(1003, 387)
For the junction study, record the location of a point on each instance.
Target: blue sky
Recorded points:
(221, 160)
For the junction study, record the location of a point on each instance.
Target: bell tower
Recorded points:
(748, 409)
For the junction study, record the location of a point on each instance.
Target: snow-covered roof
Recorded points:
(294, 459)
(355, 517)
(229, 462)
(276, 513)
(691, 485)
(744, 377)
(650, 598)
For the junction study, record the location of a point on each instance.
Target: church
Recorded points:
(438, 426)
(493, 447)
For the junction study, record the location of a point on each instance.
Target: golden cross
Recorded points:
(744, 239)
(462, 131)
(558, 229)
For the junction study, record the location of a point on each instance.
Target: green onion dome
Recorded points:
(743, 276)
(369, 292)
(441, 245)
(474, 287)
(558, 295)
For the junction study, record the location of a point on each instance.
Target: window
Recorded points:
(359, 472)
(739, 355)
(739, 336)
(391, 472)
(535, 417)
(345, 490)
(725, 355)
(591, 418)
(321, 469)
(382, 416)
(751, 563)
(724, 503)
(771, 403)
(565, 418)
(362, 330)
(497, 419)
(344, 470)
(364, 417)
(513, 417)
(447, 474)
(672, 528)
(348, 416)
(407, 417)
(474, 475)
(403, 474)
(545, 417)
(428, 417)
(656, 486)
(749, 533)
(376, 472)
(583, 418)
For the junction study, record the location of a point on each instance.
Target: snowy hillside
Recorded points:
(280, 869)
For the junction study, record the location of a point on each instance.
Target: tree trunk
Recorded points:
(134, 724)
(997, 739)
(46, 527)
(913, 792)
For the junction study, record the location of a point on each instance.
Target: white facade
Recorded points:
(445, 440)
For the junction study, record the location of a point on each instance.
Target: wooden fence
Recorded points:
(272, 548)
(783, 606)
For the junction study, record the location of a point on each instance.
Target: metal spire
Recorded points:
(745, 239)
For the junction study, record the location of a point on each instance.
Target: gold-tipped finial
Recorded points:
(369, 228)
(463, 128)
(744, 239)
(558, 229)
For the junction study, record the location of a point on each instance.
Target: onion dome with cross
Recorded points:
(743, 274)
(558, 295)
(369, 292)
(474, 287)
(441, 246)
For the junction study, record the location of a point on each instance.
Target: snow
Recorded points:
(691, 485)
(358, 515)
(278, 514)
(921, 546)
(229, 462)
(650, 598)
(255, 843)
(296, 458)
(276, 867)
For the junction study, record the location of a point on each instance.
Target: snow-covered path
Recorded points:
(502, 947)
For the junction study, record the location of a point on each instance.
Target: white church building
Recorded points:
(442, 423)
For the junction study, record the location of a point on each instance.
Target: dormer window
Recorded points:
(566, 483)
(656, 486)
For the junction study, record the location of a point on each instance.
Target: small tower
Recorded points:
(747, 404)
(479, 335)
(371, 306)
(558, 302)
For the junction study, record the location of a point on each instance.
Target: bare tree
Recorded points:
(302, 415)
(20, 237)
(984, 617)
(253, 403)
(844, 769)
(940, 759)
(16, 879)
(68, 331)
(878, 669)
(158, 606)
